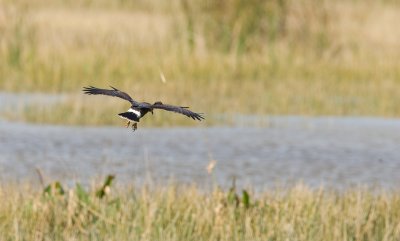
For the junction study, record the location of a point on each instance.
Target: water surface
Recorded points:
(335, 152)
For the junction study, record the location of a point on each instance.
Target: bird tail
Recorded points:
(129, 116)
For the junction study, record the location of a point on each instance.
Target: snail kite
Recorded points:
(140, 109)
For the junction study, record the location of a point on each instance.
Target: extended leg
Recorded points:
(127, 124)
(134, 126)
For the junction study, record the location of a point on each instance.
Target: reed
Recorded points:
(280, 57)
(178, 212)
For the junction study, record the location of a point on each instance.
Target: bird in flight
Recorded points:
(140, 109)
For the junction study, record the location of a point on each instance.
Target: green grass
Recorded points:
(265, 57)
(179, 212)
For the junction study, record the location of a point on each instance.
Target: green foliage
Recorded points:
(245, 199)
(82, 195)
(102, 192)
(233, 198)
(54, 189)
(237, 25)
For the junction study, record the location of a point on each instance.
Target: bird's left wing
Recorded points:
(113, 92)
(178, 109)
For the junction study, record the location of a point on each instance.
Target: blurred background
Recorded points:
(292, 90)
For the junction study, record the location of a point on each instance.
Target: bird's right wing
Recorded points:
(113, 92)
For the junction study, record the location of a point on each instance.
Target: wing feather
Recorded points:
(179, 109)
(91, 90)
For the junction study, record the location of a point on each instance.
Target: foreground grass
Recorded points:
(239, 56)
(187, 213)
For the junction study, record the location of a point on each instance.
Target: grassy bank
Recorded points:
(187, 213)
(278, 57)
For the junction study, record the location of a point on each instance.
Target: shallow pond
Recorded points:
(334, 152)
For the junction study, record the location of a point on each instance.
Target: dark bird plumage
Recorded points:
(139, 109)
(113, 92)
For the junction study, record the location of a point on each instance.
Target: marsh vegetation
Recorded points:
(187, 213)
(278, 57)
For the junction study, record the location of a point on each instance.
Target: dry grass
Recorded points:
(279, 57)
(186, 213)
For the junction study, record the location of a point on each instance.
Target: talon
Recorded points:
(134, 126)
(127, 124)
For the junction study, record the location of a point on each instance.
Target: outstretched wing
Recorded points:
(113, 92)
(179, 109)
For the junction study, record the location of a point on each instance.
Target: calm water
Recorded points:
(10, 101)
(337, 152)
